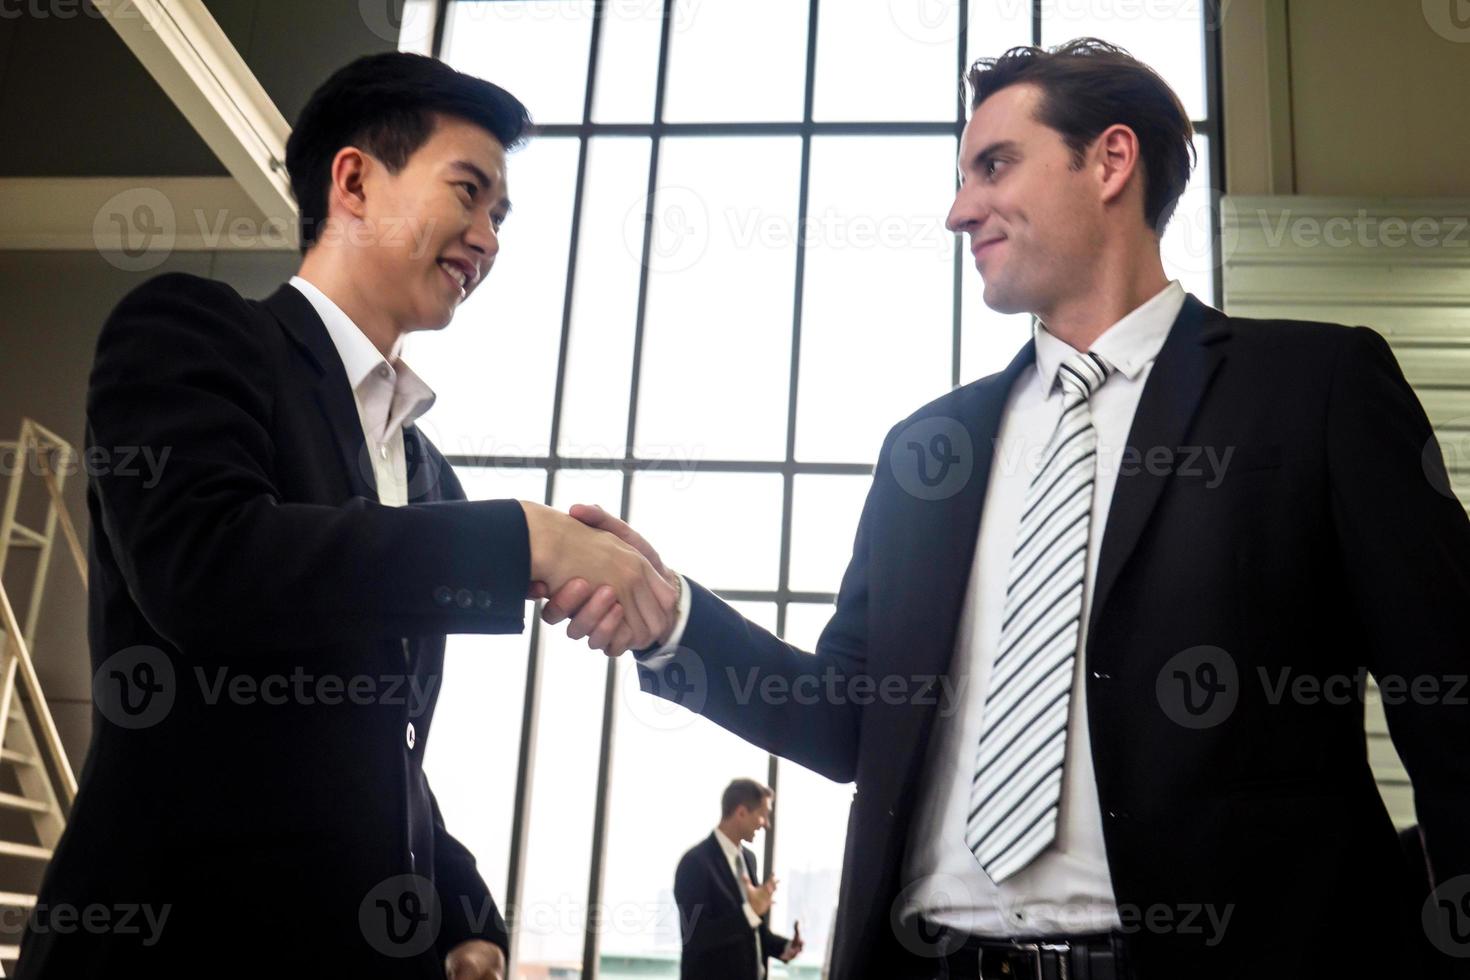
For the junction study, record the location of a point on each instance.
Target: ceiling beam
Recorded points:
(138, 221)
(183, 48)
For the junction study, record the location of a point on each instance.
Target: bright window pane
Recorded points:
(594, 419)
(717, 332)
(480, 703)
(627, 65)
(995, 26)
(553, 912)
(587, 486)
(535, 49)
(723, 529)
(877, 311)
(502, 482)
(671, 765)
(824, 519)
(886, 60)
(811, 832)
(734, 60)
(1166, 35)
(494, 366)
(1188, 247)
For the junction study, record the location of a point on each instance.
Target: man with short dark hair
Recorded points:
(268, 619)
(724, 917)
(1079, 588)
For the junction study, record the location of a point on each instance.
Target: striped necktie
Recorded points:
(1016, 790)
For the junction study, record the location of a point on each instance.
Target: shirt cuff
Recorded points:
(654, 659)
(751, 917)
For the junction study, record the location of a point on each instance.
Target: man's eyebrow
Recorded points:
(994, 149)
(479, 175)
(482, 178)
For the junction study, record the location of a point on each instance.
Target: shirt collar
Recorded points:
(1129, 345)
(730, 848)
(360, 357)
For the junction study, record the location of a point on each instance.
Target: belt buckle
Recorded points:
(1034, 951)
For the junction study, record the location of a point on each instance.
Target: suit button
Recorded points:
(442, 595)
(410, 736)
(482, 599)
(464, 598)
(410, 859)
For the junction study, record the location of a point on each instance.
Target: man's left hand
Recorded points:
(794, 946)
(475, 959)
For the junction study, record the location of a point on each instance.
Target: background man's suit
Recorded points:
(1326, 545)
(278, 830)
(719, 942)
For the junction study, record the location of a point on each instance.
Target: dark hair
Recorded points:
(386, 104)
(743, 792)
(1088, 85)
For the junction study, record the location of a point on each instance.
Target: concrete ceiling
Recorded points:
(74, 102)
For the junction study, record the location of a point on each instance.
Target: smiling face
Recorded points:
(1035, 223)
(748, 820)
(434, 226)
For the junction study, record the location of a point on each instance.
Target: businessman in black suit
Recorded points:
(1095, 664)
(724, 917)
(267, 618)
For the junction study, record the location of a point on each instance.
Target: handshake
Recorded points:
(598, 571)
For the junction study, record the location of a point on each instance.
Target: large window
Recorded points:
(726, 275)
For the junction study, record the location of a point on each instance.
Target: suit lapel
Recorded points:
(1188, 360)
(943, 535)
(333, 392)
(724, 874)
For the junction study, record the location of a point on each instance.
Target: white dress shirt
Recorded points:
(1067, 888)
(736, 863)
(389, 395)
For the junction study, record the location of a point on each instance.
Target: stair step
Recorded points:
(11, 801)
(15, 849)
(16, 900)
(18, 758)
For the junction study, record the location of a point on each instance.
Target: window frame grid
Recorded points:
(783, 596)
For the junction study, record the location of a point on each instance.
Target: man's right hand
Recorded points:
(564, 548)
(760, 896)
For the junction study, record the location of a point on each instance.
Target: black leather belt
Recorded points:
(1098, 956)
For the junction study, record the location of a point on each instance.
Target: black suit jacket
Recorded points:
(263, 634)
(719, 942)
(1330, 544)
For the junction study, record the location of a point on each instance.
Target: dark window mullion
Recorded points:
(788, 481)
(598, 860)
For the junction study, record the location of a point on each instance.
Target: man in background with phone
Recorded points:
(724, 917)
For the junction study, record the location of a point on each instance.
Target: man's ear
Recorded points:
(1118, 155)
(350, 169)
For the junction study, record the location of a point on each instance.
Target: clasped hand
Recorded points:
(600, 573)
